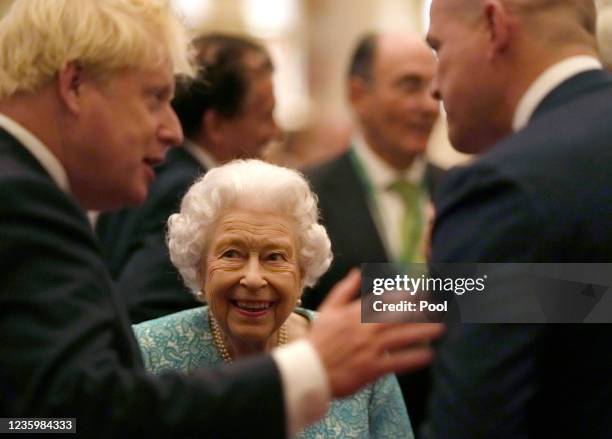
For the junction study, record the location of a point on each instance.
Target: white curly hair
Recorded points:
(253, 185)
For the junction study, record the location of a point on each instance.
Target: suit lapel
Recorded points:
(350, 194)
(433, 177)
(181, 157)
(11, 147)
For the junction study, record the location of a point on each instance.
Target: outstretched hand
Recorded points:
(354, 353)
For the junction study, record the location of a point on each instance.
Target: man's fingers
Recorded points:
(344, 291)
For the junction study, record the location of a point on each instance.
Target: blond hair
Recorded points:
(37, 37)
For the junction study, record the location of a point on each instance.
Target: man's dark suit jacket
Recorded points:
(66, 347)
(345, 209)
(133, 242)
(543, 194)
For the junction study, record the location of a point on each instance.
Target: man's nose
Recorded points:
(434, 89)
(430, 104)
(170, 131)
(252, 277)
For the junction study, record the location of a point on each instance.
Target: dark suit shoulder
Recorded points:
(28, 196)
(434, 175)
(555, 174)
(562, 136)
(329, 172)
(173, 180)
(178, 172)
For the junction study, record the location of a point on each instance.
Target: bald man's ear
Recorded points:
(70, 80)
(499, 22)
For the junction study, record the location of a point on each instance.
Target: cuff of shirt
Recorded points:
(305, 385)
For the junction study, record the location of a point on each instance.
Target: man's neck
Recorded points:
(530, 68)
(398, 162)
(32, 112)
(219, 153)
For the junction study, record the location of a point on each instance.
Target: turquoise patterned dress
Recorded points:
(183, 341)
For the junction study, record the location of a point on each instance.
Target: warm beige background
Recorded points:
(4, 4)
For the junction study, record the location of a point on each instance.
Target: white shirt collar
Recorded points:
(38, 149)
(202, 156)
(380, 174)
(547, 82)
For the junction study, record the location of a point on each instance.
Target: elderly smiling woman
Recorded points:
(247, 242)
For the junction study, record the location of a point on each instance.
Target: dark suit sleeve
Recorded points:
(66, 349)
(137, 253)
(150, 284)
(484, 375)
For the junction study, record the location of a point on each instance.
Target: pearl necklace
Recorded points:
(220, 344)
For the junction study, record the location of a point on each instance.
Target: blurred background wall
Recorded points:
(4, 4)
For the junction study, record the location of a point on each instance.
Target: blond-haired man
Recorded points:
(85, 90)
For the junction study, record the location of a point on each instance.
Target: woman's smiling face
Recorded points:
(251, 276)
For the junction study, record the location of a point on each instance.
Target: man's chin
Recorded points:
(118, 201)
(465, 144)
(137, 198)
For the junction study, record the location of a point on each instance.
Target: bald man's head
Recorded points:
(389, 87)
(490, 52)
(554, 22)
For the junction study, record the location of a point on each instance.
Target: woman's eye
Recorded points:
(276, 256)
(231, 253)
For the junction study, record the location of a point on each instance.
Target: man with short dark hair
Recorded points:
(374, 197)
(522, 85)
(225, 113)
(361, 192)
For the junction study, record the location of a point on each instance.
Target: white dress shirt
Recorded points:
(47, 160)
(202, 156)
(547, 82)
(388, 208)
